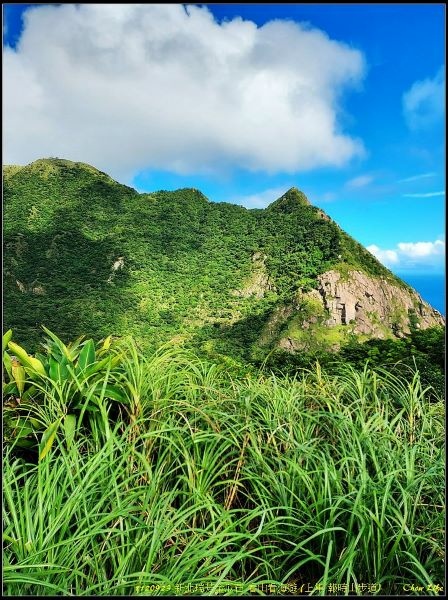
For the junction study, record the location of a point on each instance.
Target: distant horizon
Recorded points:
(431, 287)
(422, 273)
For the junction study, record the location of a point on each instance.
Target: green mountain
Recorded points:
(84, 254)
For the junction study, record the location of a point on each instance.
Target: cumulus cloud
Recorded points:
(359, 182)
(130, 87)
(387, 257)
(422, 249)
(260, 199)
(424, 102)
(411, 254)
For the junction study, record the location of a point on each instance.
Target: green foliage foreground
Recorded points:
(166, 475)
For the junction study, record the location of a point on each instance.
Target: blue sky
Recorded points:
(345, 102)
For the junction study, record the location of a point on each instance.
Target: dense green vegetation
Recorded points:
(84, 254)
(422, 350)
(166, 474)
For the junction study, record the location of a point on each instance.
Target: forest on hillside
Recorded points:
(178, 257)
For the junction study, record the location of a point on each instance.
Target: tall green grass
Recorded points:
(214, 485)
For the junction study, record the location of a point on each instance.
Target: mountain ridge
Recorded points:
(214, 273)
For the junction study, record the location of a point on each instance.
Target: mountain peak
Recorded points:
(55, 163)
(290, 200)
(186, 267)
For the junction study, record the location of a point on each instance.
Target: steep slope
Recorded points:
(86, 255)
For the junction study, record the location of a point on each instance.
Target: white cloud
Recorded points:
(424, 102)
(359, 182)
(417, 177)
(387, 257)
(411, 254)
(260, 199)
(130, 87)
(424, 194)
(422, 249)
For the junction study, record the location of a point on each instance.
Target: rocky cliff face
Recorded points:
(343, 304)
(347, 304)
(372, 305)
(353, 303)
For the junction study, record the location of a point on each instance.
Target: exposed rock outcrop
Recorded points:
(347, 304)
(259, 281)
(118, 264)
(373, 306)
